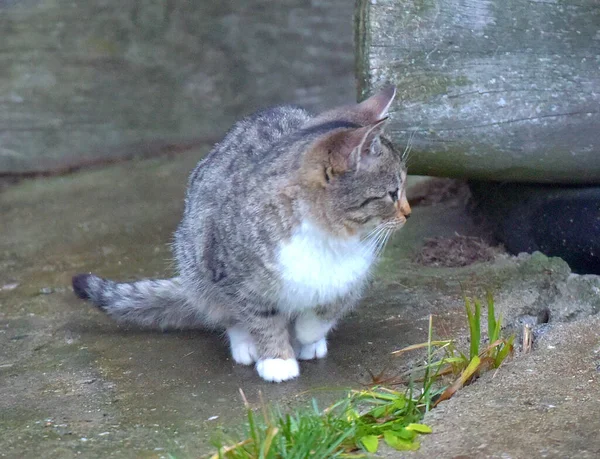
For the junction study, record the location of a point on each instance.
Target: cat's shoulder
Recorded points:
(263, 128)
(280, 118)
(248, 140)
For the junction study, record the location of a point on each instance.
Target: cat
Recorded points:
(284, 220)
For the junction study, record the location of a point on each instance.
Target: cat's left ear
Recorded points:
(340, 151)
(366, 113)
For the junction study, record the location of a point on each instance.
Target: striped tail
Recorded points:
(150, 303)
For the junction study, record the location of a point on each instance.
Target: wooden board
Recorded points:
(83, 81)
(490, 89)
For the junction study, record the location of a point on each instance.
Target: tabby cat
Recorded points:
(283, 222)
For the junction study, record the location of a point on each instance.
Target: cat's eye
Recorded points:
(394, 194)
(328, 174)
(371, 199)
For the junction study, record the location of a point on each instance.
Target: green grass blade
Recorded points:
(477, 337)
(493, 330)
(370, 443)
(474, 319)
(398, 443)
(471, 369)
(498, 327)
(503, 353)
(420, 428)
(437, 343)
(427, 379)
(469, 311)
(254, 430)
(266, 444)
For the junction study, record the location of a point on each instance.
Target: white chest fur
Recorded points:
(316, 268)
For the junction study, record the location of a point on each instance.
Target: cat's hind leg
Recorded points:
(310, 331)
(243, 347)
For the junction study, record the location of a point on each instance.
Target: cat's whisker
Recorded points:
(374, 230)
(378, 249)
(379, 236)
(382, 240)
(387, 235)
(371, 239)
(385, 241)
(372, 244)
(408, 149)
(372, 247)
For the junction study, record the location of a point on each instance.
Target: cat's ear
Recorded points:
(376, 107)
(340, 151)
(366, 113)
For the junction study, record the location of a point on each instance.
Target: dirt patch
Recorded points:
(456, 251)
(438, 190)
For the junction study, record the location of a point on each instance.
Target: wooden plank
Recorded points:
(490, 89)
(83, 81)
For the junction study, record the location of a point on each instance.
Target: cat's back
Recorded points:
(215, 184)
(216, 188)
(247, 142)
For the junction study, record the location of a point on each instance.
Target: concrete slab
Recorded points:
(73, 383)
(541, 405)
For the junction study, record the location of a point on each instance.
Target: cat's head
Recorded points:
(354, 178)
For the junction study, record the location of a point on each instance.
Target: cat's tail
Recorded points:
(150, 303)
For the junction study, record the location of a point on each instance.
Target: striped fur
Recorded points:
(283, 220)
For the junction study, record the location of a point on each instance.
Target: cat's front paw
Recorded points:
(278, 370)
(312, 351)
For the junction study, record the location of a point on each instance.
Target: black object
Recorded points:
(556, 220)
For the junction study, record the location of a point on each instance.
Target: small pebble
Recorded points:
(8, 287)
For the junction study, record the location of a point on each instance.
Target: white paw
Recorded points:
(309, 328)
(277, 370)
(312, 351)
(244, 353)
(243, 349)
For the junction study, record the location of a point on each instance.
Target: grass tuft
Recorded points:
(453, 362)
(351, 427)
(357, 424)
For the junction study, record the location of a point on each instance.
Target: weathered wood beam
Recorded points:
(86, 82)
(489, 89)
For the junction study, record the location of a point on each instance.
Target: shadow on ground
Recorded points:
(72, 382)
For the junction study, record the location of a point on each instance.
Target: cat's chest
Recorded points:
(317, 269)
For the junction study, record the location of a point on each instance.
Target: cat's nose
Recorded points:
(405, 208)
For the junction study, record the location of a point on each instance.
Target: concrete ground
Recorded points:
(541, 405)
(72, 383)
